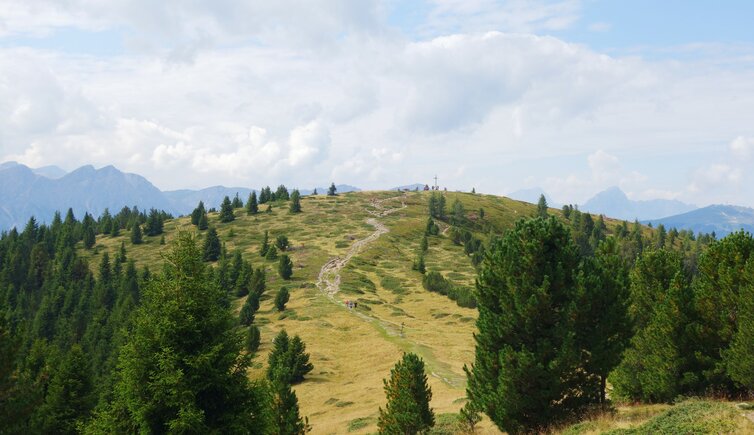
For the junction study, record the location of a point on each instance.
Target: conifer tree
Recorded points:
(197, 213)
(265, 246)
(251, 204)
(18, 396)
(657, 364)
(253, 300)
(258, 282)
(244, 280)
(136, 237)
(281, 194)
(154, 224)
(203, 224)
(525, 298)
(211, 248)
(282, 242)
(69, 395)
(115, 228)
(661, 236)
(272, 253)
(288, 353)
(432, 205)
(285, 410)
(602, 326)
(440, 206)
(122, 253)
(542, 207)
(105, 222)
(281, 298)
(332, 191)
(285, 267)
(226, 211)
(739, 357)
(408, 396)
(253, 338)
(70, 219)
(717, 296)
(295, 202)
(237, 203)
(459, 213)
(236, 266)
(181, 369)
(89, 237)
(246, 316)
(265, 195)
(421, 266)
(567, 211)
(315, 192)
(432, 229)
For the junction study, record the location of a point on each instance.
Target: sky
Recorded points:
(573, 96)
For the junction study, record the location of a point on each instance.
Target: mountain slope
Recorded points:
(722, 219)
(24, 193)
(27, 192)
(53, 172)
(614, 203)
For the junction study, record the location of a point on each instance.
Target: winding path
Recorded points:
(328, 282)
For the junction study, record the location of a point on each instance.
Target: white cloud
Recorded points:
(742, 147)
(717, 175)
(308, 144)
(332, 90)
(605, 167)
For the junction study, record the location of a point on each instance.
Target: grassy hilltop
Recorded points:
(353, 350)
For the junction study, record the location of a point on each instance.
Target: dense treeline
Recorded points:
(62, 324)
(565, 312)
(71, 333)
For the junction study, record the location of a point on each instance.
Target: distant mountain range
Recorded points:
(26, 192)
(614, 203)
(720, 219)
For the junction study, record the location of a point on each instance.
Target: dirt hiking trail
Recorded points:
(328, 282)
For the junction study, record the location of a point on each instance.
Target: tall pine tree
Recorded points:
(408, 396)
(226, 211)
(211, 248)
(526, 369)
(295, 202)
(252, 207)
(182, 369)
